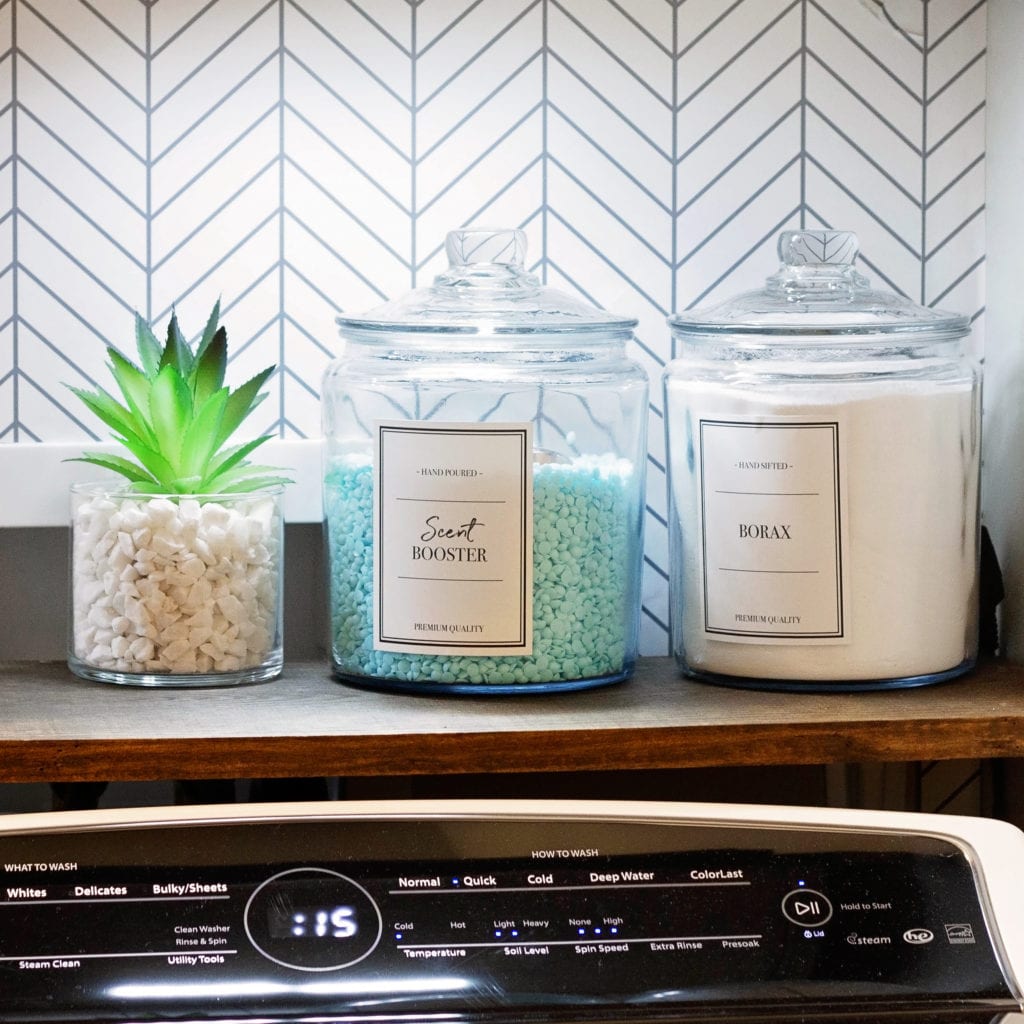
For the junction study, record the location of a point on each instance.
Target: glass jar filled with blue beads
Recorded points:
(485, 449)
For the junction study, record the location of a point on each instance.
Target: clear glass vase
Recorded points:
(175, 590)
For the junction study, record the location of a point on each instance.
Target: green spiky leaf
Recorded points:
(149, 348)
(209, 367)
(177, 415)
(125, 467)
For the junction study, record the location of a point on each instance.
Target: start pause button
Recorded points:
(806, 907)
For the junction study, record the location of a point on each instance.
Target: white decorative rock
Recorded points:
(184, 587)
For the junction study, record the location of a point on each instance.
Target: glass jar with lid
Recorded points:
(485, 449)
(823, 460)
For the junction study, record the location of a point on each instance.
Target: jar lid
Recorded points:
(487, 290)
(817, 291)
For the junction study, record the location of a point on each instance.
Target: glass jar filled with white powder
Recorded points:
(484, 484)
(823, 460)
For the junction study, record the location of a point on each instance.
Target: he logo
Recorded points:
(918, 936)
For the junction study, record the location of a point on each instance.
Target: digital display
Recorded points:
(474, 917)
(312, 923)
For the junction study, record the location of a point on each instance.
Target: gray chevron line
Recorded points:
(99, 16)
(238, 349)
(710, 28)
(337, 96)
(731, 269)
(338, 45)
(95, 225)
(210, 111)
(654, 618)
(851, 38)
(209, 218)
(332, 198)
(18, 425)
(864, 259)
(622, 117)
(980, 313)
(735, 109)
(952, 131)
(328, 300)
(615, 5)
(889, 230)
(952, 81)
(756, 38)
(479, 53)
(483, 156)
(9, 375)
(21, 321)
(915, 149)
(463, 121)
(397, 43)
(286, 423)
(933, 44)
(214, 160)
(489, 201)
(618, 270)
(98, 68)
(738, 159)
(613, 56)
(952, 234)
(449, 27)
(217, 264)
(657, 464)
(198, 16)
(211, 58)
(22, 375)
(621, 168)
(312, 339)
(95, 278)
(30, 115)
(752, 198)
(967, 273)
(75, 101)
(289, 372)
(863, 153)
(883, 12)
(341, 154)
(614, 214)
(953, 182)
(337, 255)
(656, 516)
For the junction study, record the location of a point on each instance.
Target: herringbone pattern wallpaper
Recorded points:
(298, 157)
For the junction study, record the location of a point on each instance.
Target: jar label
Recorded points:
(772, 530)
(453, 538)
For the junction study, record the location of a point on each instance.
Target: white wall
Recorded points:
(1003, 439)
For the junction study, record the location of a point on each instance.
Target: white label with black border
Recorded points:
(772, 530)
(453, 538)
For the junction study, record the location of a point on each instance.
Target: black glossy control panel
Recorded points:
(473, 917)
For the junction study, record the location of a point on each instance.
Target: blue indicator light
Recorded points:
(597, 931)
(514, 932)
(801, 883)
(455, 881)
(580, 931)
(398, 936)
(615, 931)
(497, 933)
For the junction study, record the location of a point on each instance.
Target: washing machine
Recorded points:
(507, 911)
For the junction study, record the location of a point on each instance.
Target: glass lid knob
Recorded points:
(472, 246)
(817, 248)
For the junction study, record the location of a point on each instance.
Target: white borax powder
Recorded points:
(824, 532)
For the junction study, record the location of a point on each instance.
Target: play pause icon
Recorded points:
(811, 907)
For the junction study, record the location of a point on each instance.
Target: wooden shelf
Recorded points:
(54, 727)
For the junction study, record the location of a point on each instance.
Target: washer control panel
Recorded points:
(472, 916)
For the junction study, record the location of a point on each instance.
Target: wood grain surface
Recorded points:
(55, 727)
